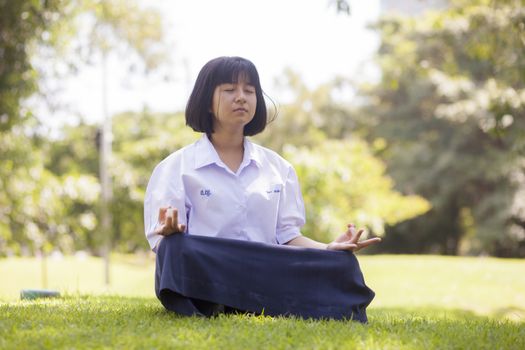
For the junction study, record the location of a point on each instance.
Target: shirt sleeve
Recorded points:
(291, 216)
(164, 189)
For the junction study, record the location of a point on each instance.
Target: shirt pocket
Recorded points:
(264, 198)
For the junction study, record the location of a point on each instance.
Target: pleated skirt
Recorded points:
(198, 275)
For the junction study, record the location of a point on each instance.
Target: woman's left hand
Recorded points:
(350, 240)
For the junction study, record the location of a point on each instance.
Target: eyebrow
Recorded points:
(232, 83)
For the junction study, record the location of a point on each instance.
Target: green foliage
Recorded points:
(446, 117)
(342, 182)
(310, 117)
(39, 209)
(450, 106)
(121, 25)
(22, 24)
(44, 31)
(141, 141)
(74, 151)
(49, 188)
(335, 190)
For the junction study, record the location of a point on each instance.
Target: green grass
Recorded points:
(422, 302)
(484, 286)
(130, 276)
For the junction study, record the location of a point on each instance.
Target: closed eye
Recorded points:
(227, 87)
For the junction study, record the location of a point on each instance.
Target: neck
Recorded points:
(230, 149)
(223, 141)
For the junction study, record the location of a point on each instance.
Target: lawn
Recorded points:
(422, 302)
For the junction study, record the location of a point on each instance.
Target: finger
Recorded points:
(169, 212)
(371, 241)
(162, 214)
(342, 246)
(168, 226)
(350, 230)
(172, 215)
(368, 242)
(159, 230)
(167, 230)
(356, 236)
(162, 230)
(175, 217)
(347, 235)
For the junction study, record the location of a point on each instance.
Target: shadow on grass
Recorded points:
(515, 314)
(511, 312)
(153, 307)
(424, 312)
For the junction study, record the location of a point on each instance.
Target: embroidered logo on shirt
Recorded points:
(205, 193)
(276, 189)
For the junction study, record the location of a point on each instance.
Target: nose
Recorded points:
(241, 97)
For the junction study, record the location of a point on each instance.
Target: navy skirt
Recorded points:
(197, 275)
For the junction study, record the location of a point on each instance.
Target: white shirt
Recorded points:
(261, 202)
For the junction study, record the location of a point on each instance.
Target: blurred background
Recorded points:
(406, 117)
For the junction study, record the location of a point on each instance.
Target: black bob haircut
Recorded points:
(223, 70)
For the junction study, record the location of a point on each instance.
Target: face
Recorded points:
(233, 105)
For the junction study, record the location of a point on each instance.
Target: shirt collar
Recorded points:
(206, 154)
(251, 153)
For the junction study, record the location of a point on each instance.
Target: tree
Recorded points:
(42, 204)
(141, 140)
(41, 210)
(343, 182)
(23, 24)
(341, 179)
(450, 107)
(310, 117)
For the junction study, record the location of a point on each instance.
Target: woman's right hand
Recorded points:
(169, 222)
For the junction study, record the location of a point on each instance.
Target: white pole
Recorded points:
(105, 180)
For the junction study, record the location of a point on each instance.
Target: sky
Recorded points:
(306, 36)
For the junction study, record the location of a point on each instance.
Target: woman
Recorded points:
(224, 186)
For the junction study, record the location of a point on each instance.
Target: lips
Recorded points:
(241, 110)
